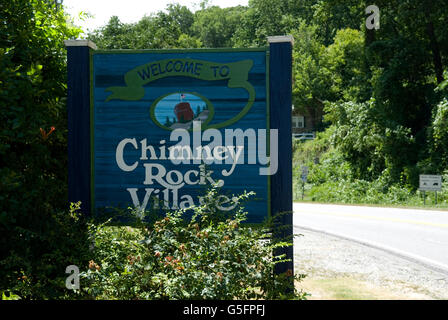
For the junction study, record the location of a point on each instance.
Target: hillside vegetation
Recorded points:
(378, 97)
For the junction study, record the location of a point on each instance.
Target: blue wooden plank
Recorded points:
(280, 92)
(78, 107)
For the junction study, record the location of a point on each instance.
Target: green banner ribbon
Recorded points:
(236, 72)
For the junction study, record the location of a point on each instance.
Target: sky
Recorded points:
(129, 10)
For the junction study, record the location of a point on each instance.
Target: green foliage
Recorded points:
(331, 179)
(311, 77)
(156, 31)
(204, 257)
(265, 18)
(344, 60)
(332, 73)
(440, 124)
(387, 121)
(368, 141)
(37, 239)
(437, 140)
(215, 26)
(333, 15)
(360, 191)
(38, 272)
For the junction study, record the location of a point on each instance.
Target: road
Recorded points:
(419, 235)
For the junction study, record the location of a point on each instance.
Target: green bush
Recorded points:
(36, 232)
(180, 258)
(39, 271)
(439, 136)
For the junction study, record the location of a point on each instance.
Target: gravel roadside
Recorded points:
(326, 258)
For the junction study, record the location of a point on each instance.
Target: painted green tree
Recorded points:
(168, 122)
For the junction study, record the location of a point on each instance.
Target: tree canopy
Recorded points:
(389, 75)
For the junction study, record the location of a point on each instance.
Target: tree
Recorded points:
(214, 26)
(369, 141)
(399, 66)
(333, 15)
(265, 18)
(312, 84)
(344, 60)
(171, 29)
(402, 58)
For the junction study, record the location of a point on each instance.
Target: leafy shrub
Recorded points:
(180, 258)
(39, 272)
(35, 230)
(331, 178)
(439, 135)
(368, 141)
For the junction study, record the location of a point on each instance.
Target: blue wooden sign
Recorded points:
(153, 129)
(152, 110)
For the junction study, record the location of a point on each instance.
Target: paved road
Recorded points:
(420, 235)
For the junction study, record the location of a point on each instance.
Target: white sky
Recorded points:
(129, 10)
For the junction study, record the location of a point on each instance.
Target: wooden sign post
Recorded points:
(150, 128)
(280, 97)
(79, 131)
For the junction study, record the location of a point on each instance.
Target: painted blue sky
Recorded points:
(165, 107)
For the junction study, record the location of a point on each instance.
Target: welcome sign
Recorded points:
(167, 124)
(153, 129)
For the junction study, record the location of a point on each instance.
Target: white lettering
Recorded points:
(119, 155)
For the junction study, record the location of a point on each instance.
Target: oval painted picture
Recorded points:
(179, 110)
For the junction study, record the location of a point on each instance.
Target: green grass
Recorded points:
(414, 201)
(11, 297)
